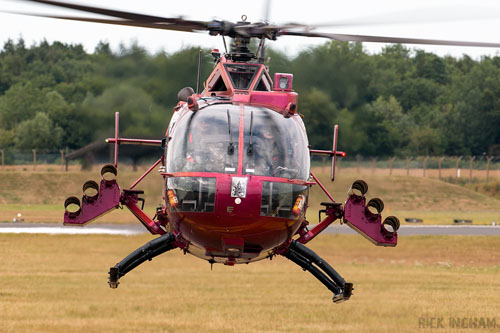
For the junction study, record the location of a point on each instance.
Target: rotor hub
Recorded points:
(239, 49)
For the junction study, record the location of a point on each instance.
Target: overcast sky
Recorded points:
(477, 20)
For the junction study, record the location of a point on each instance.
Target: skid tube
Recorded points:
(306, 258)
(148, 251)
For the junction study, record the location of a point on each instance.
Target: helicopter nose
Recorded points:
(238, 196)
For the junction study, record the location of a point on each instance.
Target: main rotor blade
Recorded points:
(260, 30)
(424, 15)
(195, 25)
(162, 25)
(435, 14)
(380, 39)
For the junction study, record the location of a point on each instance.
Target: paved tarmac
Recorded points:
(134, 229)
(58, 228)
(409, 230)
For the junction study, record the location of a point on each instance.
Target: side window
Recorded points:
(278, 199)
(193, 194)
(264, 83)
(216, 83)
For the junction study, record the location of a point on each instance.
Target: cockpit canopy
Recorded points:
(210, 141)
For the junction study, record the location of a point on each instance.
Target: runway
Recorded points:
(134, 229)
(410, 230)
(59, 229)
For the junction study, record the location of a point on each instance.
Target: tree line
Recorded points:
(398, 102)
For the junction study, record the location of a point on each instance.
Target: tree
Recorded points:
(139, 115)
(477, 100)
(378, 100)
(425, 141)
(21, 102)
(73, 121)
(430, 66)
(38, 133)
(340, 69)
(6, 138)
(388, 128)
(319, 116)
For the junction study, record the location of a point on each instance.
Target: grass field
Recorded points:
(58, 284)
(39, 195)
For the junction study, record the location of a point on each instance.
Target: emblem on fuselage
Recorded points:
(239, 187)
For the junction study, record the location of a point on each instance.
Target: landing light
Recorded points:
(290, 110)
(283, 83)
(172, 199)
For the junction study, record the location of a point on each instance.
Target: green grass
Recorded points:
(35, 207)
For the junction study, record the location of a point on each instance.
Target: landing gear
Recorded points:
(306, 258)
(148, 251)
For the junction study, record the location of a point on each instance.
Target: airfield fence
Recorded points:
(463, 168)
(45, 160)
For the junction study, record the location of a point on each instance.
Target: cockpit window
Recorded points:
(264, 83)
(194, 194)
(241, 75)
(216, 83)
(205, 141)
(275, 146)
(278, 199)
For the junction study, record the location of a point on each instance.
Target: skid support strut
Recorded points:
(306, 258)
(148, 251)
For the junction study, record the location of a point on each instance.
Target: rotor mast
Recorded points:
(239, 50)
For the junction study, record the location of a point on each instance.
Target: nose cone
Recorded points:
(237, 227)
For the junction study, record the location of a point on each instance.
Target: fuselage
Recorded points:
(237, 172)
(237, 165)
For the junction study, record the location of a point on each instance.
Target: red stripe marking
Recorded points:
(217, 174)
(240, 144)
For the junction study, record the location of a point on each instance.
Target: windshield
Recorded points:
(208, 141)
(205, 141)
(275, 146)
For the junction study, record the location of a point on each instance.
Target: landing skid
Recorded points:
(148, 251)
(310, 261)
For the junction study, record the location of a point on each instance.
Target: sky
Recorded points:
(477, 20)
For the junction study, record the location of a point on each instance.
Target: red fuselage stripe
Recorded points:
(240, 144)
(216, 174)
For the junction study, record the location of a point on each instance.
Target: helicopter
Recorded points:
(235, 162)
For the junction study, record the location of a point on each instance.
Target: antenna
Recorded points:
(230, 148)
(198, 79)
